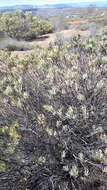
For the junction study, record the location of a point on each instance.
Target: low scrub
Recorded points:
(53, 117)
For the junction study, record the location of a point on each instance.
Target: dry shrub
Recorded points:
(61, 112)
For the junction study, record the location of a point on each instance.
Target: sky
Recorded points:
(40, 2)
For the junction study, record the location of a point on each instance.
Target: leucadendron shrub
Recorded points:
(25, 26)
(53, 116)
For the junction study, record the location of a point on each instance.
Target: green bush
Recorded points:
(84, 27)
(25, 26)
(13, 47)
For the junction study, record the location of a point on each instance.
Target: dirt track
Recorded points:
(63, 34)
(51, 38)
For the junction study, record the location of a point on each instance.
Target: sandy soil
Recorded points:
(63, 34)
(78, 22)
(51, 38)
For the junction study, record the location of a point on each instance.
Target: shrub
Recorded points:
(17, 47)
(84, 27)
(25, 26)
(53, 117)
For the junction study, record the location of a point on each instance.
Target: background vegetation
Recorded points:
(25, 26)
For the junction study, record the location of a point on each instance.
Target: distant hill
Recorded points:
(18, 7)
(76, 5)
(53, 6)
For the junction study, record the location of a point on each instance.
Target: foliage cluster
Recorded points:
(53, 117)
(25, 26)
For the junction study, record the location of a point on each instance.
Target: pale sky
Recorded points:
(40, 2)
